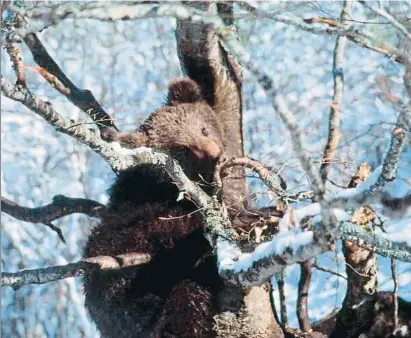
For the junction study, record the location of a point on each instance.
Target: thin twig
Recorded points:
(382, 12)
(319, 268)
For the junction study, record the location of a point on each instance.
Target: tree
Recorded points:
(209, 50)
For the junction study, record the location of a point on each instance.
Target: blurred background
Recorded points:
(127, 66)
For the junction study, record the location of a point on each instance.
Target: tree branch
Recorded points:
(398, 138)
(59, 207)
(382, 12)
(302, 300)
(81, 98)
(41, 276)
(336, 104)
(333, 28)
(273, 181)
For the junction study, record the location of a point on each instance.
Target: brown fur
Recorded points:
(173, 296)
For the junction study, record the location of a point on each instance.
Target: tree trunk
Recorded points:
(242, 313)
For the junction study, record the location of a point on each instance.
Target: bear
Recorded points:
(174, 294)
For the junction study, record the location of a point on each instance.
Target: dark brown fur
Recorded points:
(173, 296)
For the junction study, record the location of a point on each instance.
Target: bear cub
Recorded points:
(173, 295)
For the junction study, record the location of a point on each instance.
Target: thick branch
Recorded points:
(41, 276)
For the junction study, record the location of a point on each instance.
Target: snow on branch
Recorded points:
(396, 246)
(41, 276)
(298, 245)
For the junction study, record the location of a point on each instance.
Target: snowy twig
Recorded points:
(40, 276)
(382, 12)
(60, 206)
(297, 245)
(299, 23)
(337, 100)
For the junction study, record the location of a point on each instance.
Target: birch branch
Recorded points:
(337, 100)
(41, 276)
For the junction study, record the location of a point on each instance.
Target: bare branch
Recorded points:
(395, 293)
(302, 300)
(41, 276)
(333, 28)
(320, 268)
(81, 98)
(79, 131)
(398, 138)
(59, 207)
(336, 104)
(273, 181)
(382, 12)
(283, 300)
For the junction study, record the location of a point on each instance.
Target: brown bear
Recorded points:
(173, 295)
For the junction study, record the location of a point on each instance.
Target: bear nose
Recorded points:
(206, 149)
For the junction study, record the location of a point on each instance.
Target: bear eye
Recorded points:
(204, 131)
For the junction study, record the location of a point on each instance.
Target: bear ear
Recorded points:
(183, 91)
